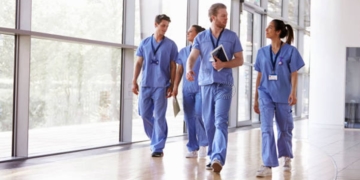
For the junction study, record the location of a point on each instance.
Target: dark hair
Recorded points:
(198, 28)
(286, 30)
(213, 11)
(161, 17)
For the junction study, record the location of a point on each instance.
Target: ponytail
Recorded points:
(290, 34)
(198, 28)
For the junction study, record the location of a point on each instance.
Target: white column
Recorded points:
(333, 28)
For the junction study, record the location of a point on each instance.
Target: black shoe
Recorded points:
(208, 167)
(157, 154)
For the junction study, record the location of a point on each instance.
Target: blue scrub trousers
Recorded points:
(285, 125)
(193, 119)
(216, 105)
(152, 109)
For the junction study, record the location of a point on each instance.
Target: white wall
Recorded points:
(334, 26)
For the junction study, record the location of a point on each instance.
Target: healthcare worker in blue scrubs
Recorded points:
(277, 65)
(216, 80)
(191, 100)
(156, 56)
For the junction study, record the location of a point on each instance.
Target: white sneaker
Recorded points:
(192, 154)
(287, 164)
(263, 171)
(202, 152)
(216, 165)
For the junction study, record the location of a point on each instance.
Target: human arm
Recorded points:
(296, 63)
(194, 54)
(256, 98)
(292, 97)
(179, 73)
(138, 65)
(172, 78)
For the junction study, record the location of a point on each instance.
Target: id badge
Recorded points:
(273, 77)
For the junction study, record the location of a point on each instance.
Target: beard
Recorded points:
(220, 25)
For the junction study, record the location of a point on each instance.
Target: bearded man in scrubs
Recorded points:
(216, 81)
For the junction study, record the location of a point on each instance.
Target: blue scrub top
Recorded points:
(156, 68)
(189, 86)
(291, 61)
(208, 75)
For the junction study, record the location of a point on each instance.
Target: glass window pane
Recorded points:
(7, 13)
(256, 2)
(204, 6)
(307, 52)
(293, 10)
(246, 35)
(137, 36)
(306, 75)
(256, 46)
(305, 94)
(90, 19)
(246, 38)
(74, 96)
(6, 94)
(176, 10)
(274, 6)
(294, 43)
(244, 92)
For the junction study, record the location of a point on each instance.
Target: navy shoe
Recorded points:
(157, 154)
(208, 167)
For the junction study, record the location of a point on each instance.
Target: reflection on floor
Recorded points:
(319, 154)
(74, 137)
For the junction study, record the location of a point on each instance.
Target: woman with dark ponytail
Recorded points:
(191, 100)
(277, 65)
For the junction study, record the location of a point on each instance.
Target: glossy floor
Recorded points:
(319, 154)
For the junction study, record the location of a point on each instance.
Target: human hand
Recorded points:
(256, 107)
(169, 91)
(292, 99)
(135, 88)
(218, 64)
(190, 75)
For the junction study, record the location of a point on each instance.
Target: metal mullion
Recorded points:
(252, 69)
(234, 26)
(60, 38)
(254, 8)
(127, 70)
(300, 43)
(20, 146)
